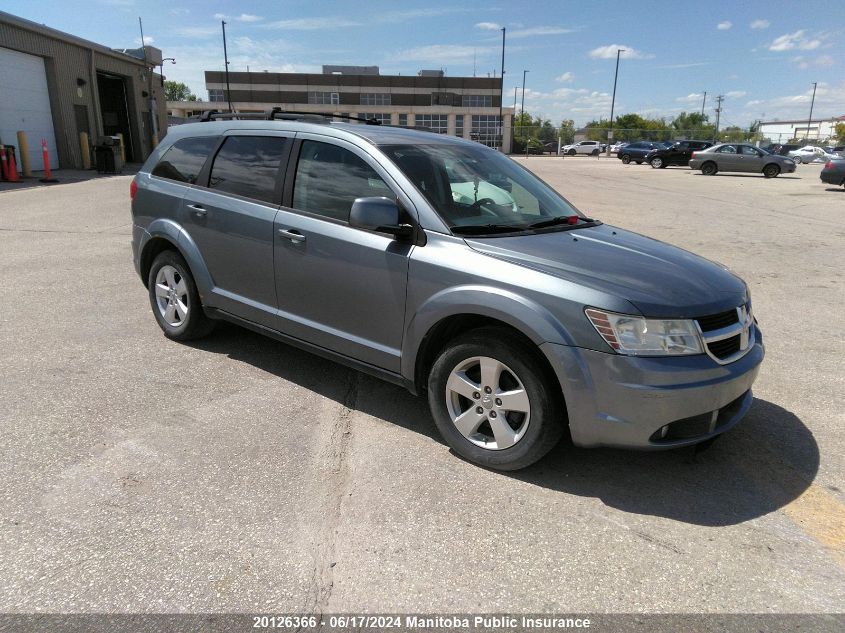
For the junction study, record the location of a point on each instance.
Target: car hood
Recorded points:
(658, 279)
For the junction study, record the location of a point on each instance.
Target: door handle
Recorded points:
(197, 209)
(293, 235)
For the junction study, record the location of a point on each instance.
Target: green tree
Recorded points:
(177, 91)
(567, 131)
(839, 131)
(734, 134)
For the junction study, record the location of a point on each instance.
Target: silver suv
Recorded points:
(441, 265)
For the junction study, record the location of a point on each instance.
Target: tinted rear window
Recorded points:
(185, 158)
(249, 166)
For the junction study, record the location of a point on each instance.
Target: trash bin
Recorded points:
(107, 155)
(9, 151)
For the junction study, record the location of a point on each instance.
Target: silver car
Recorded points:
(445, 267)
(740, 157)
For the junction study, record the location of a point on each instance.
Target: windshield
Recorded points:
(479, 190)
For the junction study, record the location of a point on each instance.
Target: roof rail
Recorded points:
(279, 113)
(276, 113)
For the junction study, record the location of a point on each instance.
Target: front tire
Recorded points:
(626, 159)
(771, 171)
(174, 299)
(657, 163)
(492, 402)
(571, 152)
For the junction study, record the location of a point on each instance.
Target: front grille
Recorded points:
(718, 321)
(698, 425)
(726, 347)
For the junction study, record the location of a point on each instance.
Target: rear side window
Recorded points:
(329, 178)
(249, 166)
(185, 158)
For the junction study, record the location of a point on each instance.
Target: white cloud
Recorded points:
(609, 52)
(312, 24)
(221, 16)
(538, 30)
(823, 61)
(488, 26)
(724, 26)
(693, 97)
(565, 77)
(440, 54)
(760, 24)
(829, 100)
(735, 94)
(798, 40)
(197, 31)
(247, 17)
(147, 40)
(689, 65)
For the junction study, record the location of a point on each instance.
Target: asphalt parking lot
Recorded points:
(238, 474)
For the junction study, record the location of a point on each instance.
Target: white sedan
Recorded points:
(810, 154)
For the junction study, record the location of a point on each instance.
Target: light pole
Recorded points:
(812, 103)
(613, 100)
(226, 59)
(502, 97)
(703, 101)
(522, 111)
(161, 67)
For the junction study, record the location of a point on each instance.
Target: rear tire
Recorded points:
(174, 299)
(709, 168)
(771, 170)
(626, 159)
(595, 152)
(486, 370)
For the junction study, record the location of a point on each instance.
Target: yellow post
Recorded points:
(85, 149)
(23, 153)
(122, 147)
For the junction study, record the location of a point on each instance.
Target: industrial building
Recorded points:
(462, 106)
(815, 130)
(54, 85)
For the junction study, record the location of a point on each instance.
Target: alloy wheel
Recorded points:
(171, 296)
(488, 403)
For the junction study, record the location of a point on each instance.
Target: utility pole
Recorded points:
(501, 125)
(703, 101)
(226, 59)
(515, 88)
(810, 120)
(719, 100)
(613, 100)
(522, 111)
(153, 113)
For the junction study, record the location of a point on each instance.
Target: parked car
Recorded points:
(678, 153)
(810, 154)
(833, 172)
(740, 157)
(592, 148)
(782, 149)
(614, 149)
(400, 253)
(636, 152)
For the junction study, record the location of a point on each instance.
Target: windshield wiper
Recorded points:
(480, 229)
(571, 220)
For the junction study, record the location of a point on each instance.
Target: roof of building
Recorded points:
(825, 120)
(47, 31)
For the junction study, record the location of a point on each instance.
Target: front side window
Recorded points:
(249, 166)
(477, 190)
(185, 158)
(329, 179)
(747, 150)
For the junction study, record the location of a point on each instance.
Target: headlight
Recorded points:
(638, 336)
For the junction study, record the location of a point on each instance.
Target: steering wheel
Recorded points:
(476, 206)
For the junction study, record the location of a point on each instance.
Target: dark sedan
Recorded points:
(678, 153)
(636, 152)
(834, 172)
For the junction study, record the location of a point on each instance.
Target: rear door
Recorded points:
(231, 216)
(339, 287)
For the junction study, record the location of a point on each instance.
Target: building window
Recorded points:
(381, 117)
(485, 129)
(403, 120)
(323, 98)
(477, 101)
(459, 125)
(216, 95)
(375, 98)
(435, 122)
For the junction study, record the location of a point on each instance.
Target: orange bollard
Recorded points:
(5, 172)
(13, 169)
(46, 157)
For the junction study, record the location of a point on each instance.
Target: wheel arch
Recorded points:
(167, 235)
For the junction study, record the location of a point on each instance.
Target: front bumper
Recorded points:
(788, 169)
(628, 401)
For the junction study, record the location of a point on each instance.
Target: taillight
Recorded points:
(692, 155)
(133, 189)
(828, 164)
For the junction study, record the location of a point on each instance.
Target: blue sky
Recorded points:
(762, 55)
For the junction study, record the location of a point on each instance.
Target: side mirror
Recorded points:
(378, 214)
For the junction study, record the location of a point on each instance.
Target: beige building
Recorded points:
(461, 106)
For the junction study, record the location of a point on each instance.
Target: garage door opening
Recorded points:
(114, 109)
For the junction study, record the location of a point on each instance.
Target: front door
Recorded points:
(752, 158)
(339, 287)
(231, 221)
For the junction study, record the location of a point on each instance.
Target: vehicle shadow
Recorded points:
(766, 462)
(839, 189)
(760, 176)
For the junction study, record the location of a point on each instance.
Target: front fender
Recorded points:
(527, 316)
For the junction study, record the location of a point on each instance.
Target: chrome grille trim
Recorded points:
(744, 327)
